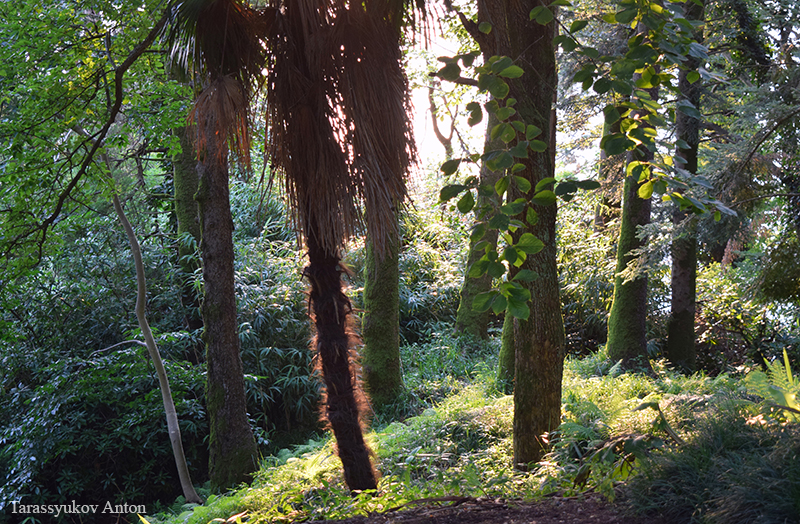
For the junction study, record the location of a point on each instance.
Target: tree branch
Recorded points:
(119, 74)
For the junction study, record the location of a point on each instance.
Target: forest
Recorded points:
(432, 261)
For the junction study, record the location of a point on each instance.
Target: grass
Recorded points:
(726, 461)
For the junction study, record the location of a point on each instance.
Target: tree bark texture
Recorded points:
(334, 343)
(468, 320)
(627, 333)
(380, 328)
(505, 364)
(539, 340)
(185, 182)
(680, 326)
(232, 449)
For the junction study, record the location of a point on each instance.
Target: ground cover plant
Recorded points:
(687, 448)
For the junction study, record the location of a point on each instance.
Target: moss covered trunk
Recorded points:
(380, 329)
(232, 448)
(627, 333)
(185, 182)
(334, 343)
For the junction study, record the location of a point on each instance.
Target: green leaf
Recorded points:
(538, 146)
(501, 186)
(692, 77)
(483, 301)
(526, 275)
(529, 244)
(532, 132)
(510, 254)
(611, 114)
(475, 113)
(566, 188)
(518, 309)
(466, 202)
(499, 160)
(543, 183)
(531, 216)
(505, 112)
(499, 305)
(626, 16)
(450, 167)
(499, 221)
(450, 191)
(496, 269)
(485, 28)
(479, 268)
(602, 85)
(512, 72)
(450, 72)
(544, 198)
(577, 25)
(544, 17)
(615, 144)
(587, 185)
(523, 184)
(478, 231)
(520, 150)
(646, 190)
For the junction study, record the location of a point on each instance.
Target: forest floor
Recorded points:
(587, 509)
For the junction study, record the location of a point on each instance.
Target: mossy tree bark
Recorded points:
(680, 326)
(233, 455)
(538, 340)
(380, 328)
(505, 365)
(468, 320)
(627, 332)
(185, 182)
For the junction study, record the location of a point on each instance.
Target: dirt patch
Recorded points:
(587, 509)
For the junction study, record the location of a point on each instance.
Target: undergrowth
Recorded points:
(687, 447)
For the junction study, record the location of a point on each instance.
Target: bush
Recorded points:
(96, 428)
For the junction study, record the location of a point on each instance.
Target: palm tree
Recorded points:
(339, 134)
(338, 105)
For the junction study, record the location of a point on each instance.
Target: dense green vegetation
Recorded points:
(695, 420)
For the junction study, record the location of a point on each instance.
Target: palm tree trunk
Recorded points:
(344, 401)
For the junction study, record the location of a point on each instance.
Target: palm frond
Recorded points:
(338, 114)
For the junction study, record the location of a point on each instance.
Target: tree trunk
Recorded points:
(539, 340)
(627, 333)
(334, 341)
(505, 365)
(680, 327)
(627, 320)
(233, 455)
(185, 183)
(173, 427)
(380, 329)
(468, 320)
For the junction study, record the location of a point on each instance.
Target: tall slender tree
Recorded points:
(539, 339)
(223, 41)
(680, 348)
